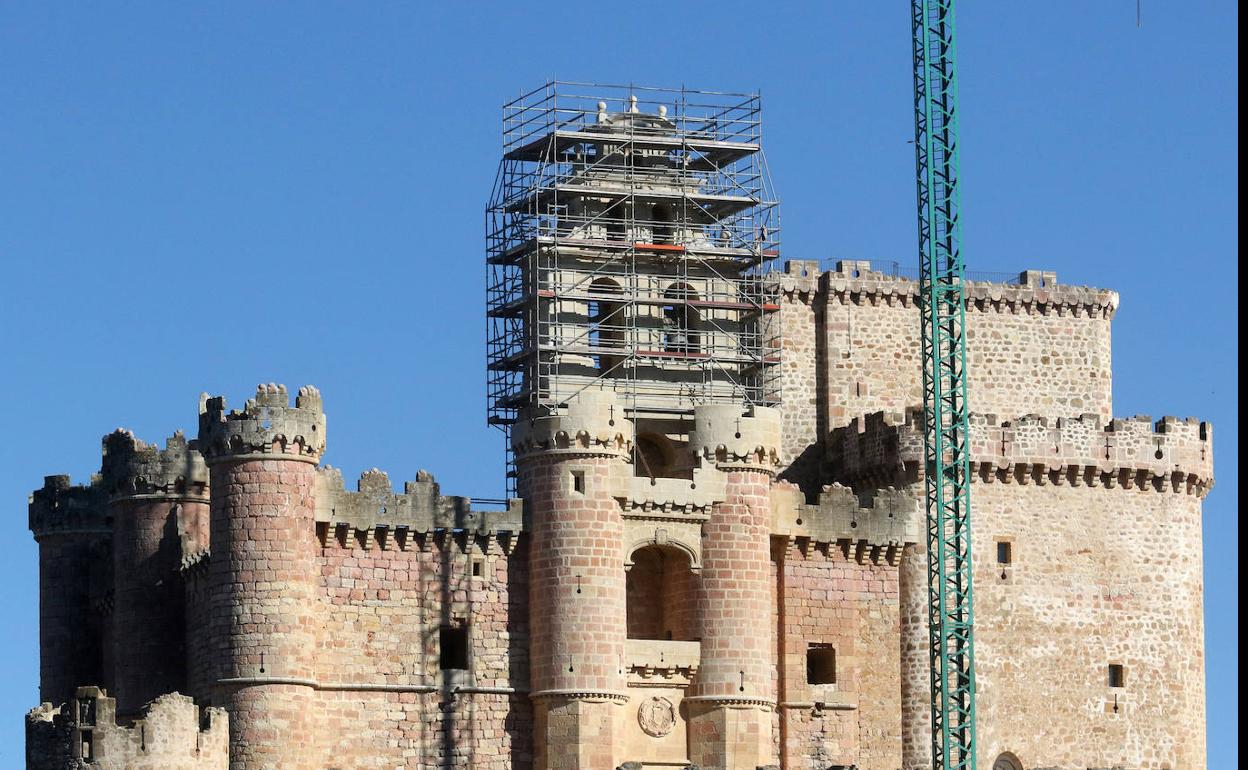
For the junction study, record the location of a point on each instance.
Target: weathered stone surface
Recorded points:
(619, 616)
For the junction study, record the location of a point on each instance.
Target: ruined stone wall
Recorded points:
(830, 598)
(171, 733)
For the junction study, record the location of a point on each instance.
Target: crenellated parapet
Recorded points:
(729, 437)
(171, 734)
(878, 449)
(60, 507)
(854, 282)
(374, 514)
(133, 468)
(268, 426)
(593, 424)
(875, 525)
(1170, 454)
(799, 282)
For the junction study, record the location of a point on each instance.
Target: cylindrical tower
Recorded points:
(152, 492)
(264, 572)
(916, 684)
(571, 467)
(71, 527)
(733, 695)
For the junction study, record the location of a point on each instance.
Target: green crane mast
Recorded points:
(947, 463)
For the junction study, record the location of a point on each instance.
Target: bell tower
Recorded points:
(627, 236)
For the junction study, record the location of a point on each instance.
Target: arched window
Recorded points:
(608, 330)
(681, 321)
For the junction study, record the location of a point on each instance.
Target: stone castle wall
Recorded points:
(851, 347)
(329, 623)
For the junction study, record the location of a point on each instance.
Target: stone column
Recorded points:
(71, 527)
(916, 686)
(265, 573)
(570, 468)
(151, 493)
(733, 694)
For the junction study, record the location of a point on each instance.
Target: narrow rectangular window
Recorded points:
(1117, 676)
(1005, 552)
(578, 482)
(478, 567)
(453, 648)
(820, 664)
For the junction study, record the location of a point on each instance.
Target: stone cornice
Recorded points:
(268, 428)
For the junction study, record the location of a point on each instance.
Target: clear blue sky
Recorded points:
(202, 198)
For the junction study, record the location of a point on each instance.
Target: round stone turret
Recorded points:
(733, 694)
(262, 464)
(72, 528)
(571, 467)
(268, 425)
(158, 499)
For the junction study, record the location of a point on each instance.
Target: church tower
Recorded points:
(626, 241)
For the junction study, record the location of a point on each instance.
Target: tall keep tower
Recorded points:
(626, 240)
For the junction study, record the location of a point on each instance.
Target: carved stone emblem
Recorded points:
(656, 716)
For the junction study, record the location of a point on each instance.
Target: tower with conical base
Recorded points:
(630, 364)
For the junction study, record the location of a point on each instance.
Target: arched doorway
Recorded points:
(660, 595)
(1007, 761)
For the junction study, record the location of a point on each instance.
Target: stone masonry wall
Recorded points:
(829, 597)
(1098, 576)
(1034, 348)
(384, 697)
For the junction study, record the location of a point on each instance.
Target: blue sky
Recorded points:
(199, 198)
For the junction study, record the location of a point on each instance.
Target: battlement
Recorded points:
(60, 507)
(1171, 453)
(134, 468)
(171, 734)
(730, 436)
(268, 425)
(593, 423)
(857, 282)
(375, 513)
(876, 524)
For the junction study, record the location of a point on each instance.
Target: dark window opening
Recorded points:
(88, 746)
(453, 649)
(1005, 552)
(578, 482)
(820, 664)
(662, 223)
(681, 321)
(476, 568)
(1117, 675)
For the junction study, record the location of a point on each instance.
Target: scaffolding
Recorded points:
(627, 239)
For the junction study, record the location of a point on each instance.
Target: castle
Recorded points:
(713, 555)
